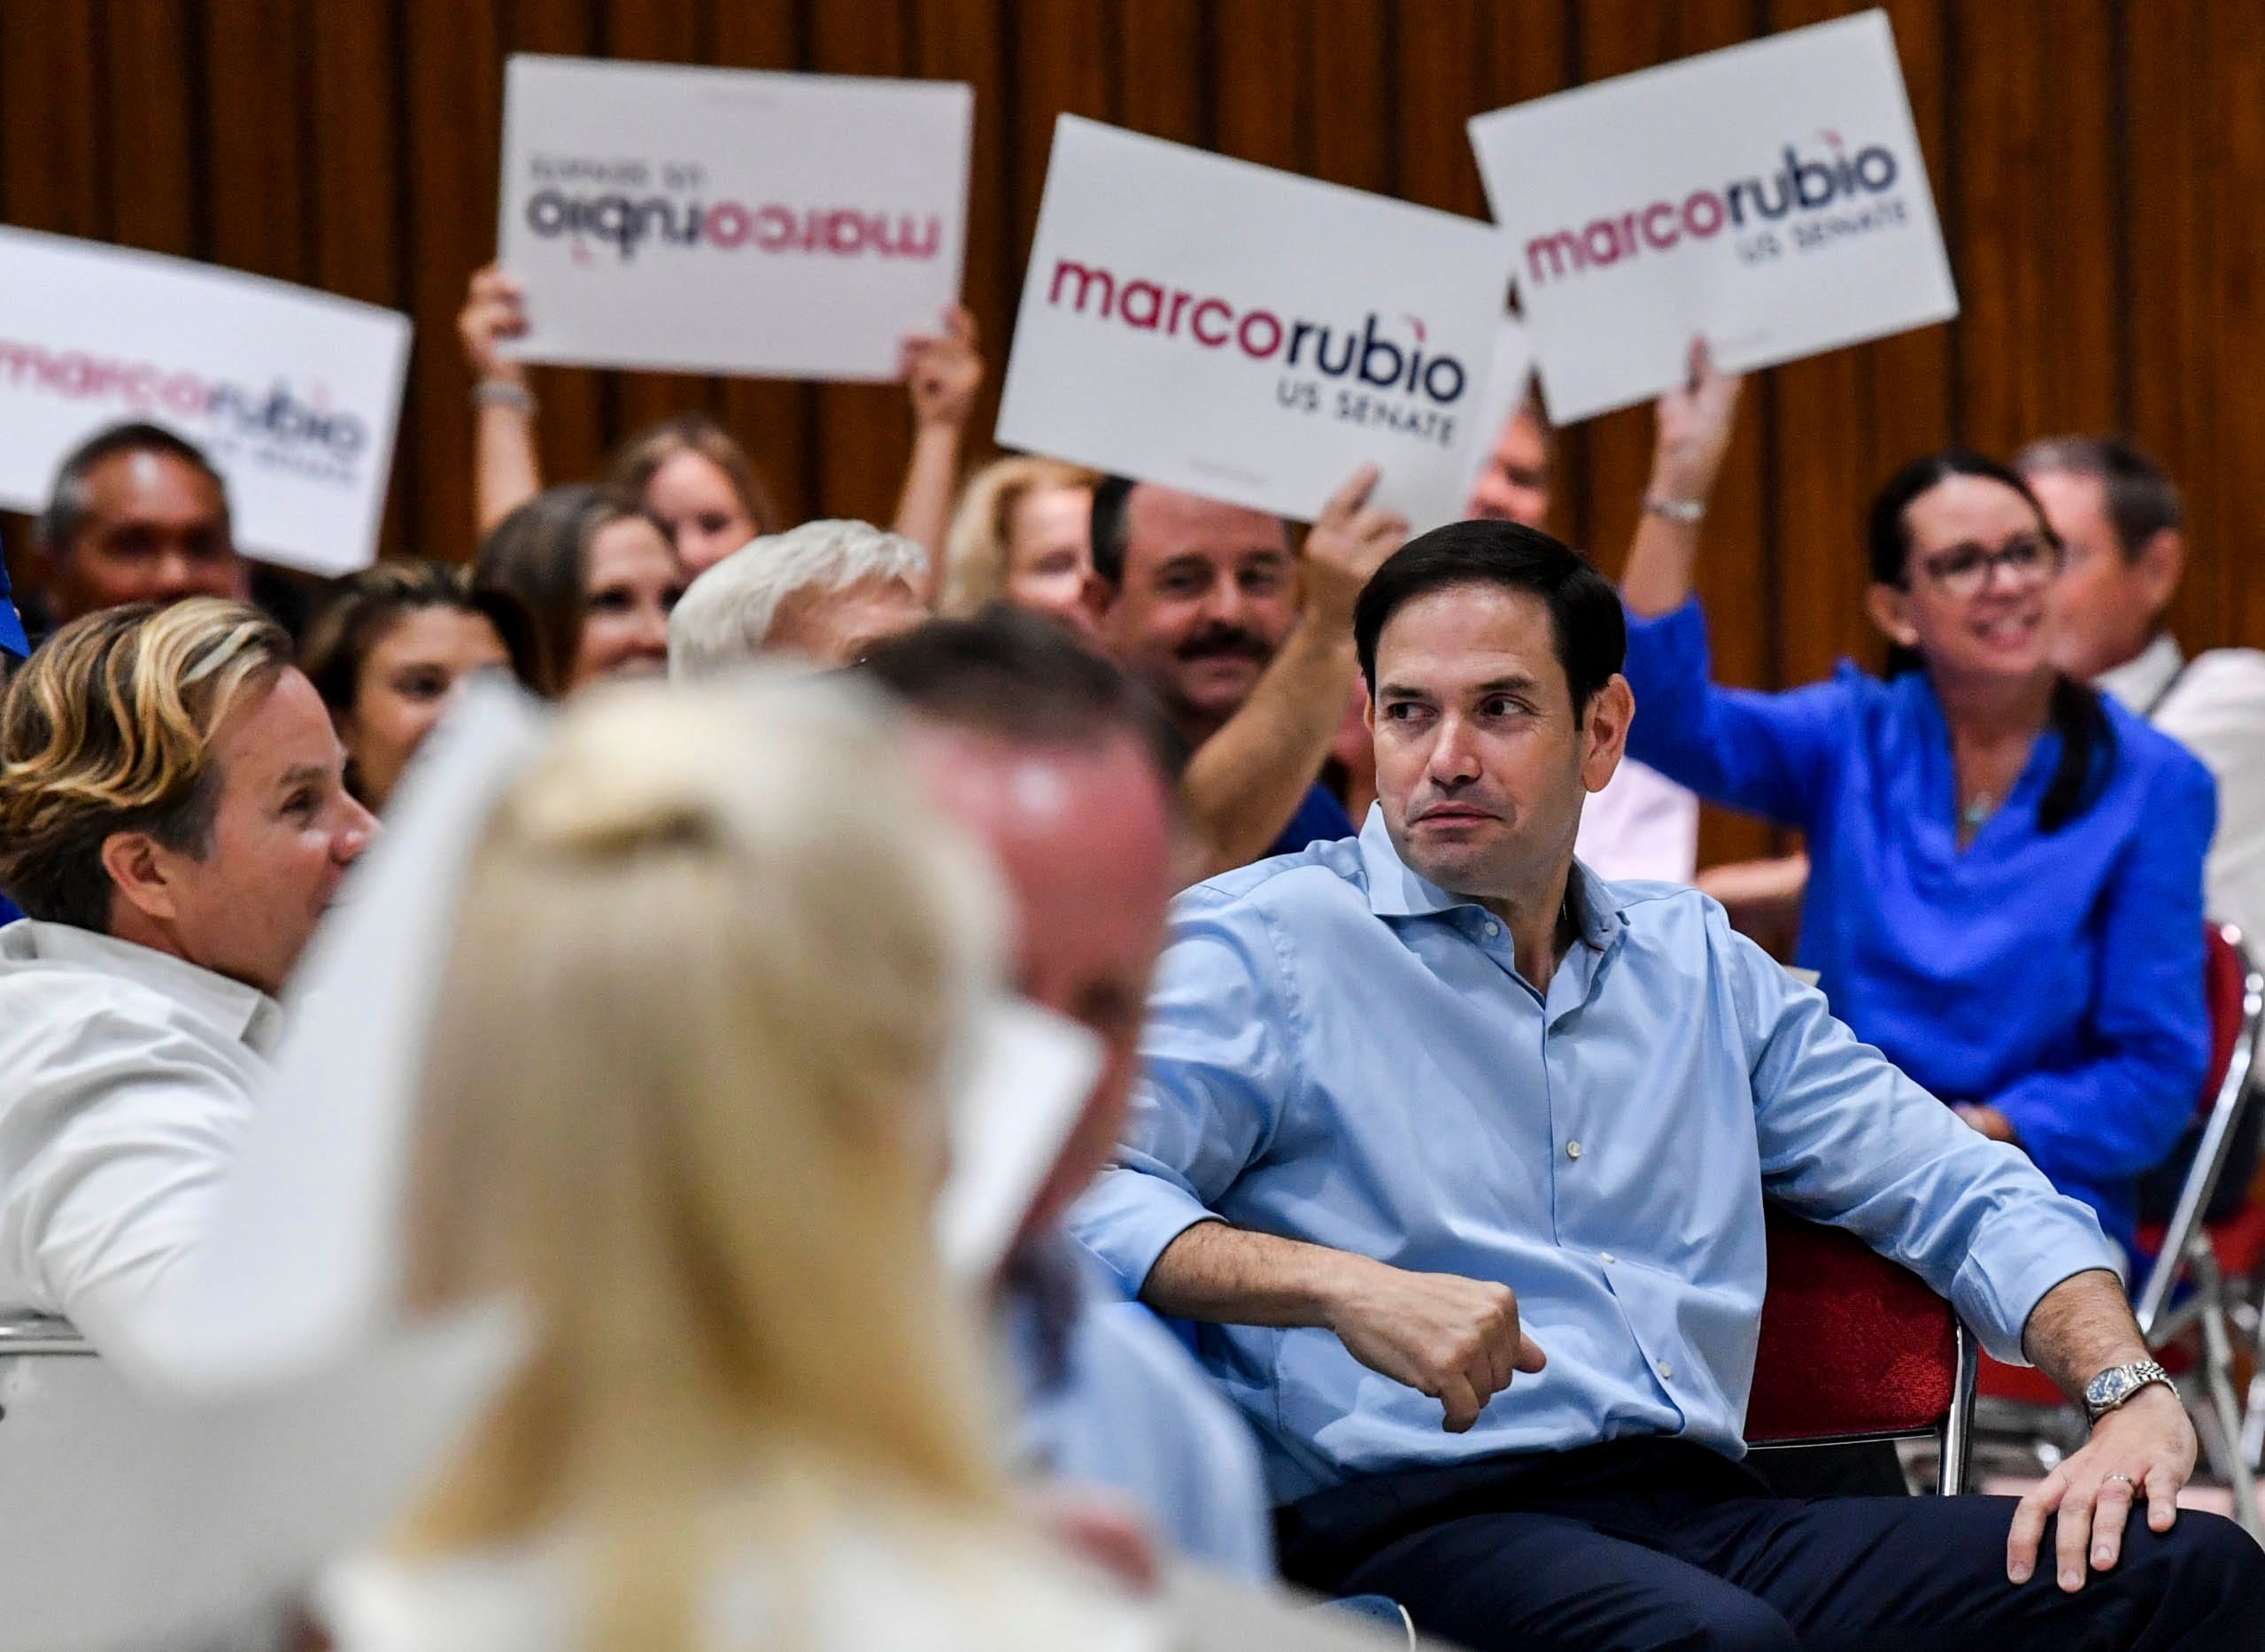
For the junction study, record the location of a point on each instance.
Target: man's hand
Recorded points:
(2145, 1446)
(1456, 1339)
(494, 310)
(944, 371)
(1692, 429)
(1346, 543)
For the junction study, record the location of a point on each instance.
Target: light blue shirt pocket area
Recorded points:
(1342, 1052)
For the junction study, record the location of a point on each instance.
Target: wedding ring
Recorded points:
(2126, 1479)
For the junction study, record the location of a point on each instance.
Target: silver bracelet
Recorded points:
(1686, 511)
(503, 393)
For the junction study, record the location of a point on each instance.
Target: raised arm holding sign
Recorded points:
(1771, 197)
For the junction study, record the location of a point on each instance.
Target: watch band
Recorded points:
(1675, 510)
(2118, 1383)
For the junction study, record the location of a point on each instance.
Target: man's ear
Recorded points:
(1606, 731)
(138, 867)
(1890, 608)
(2158, 567)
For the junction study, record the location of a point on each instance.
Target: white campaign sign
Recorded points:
(730, 221)
(292, 394)
(1241, 333)
(1770, 196)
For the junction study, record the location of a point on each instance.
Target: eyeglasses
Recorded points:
(1965, 570)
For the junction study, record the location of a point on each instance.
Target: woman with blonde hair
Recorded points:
(712, 963)
(1022, 534)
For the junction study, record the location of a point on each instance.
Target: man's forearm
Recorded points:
(1244, 783)
(1231, 1275)
(2081, 1326)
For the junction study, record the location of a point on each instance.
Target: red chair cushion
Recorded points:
(1850, 1342)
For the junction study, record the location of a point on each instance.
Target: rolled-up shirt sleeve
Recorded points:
(1847, 1139)
(1216, 1073)
(1769, 755)
(2119, 1113)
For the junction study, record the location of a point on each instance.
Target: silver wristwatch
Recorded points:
(2118, 1383)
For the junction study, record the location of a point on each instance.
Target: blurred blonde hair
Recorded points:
(975, 550)
(683, 1102)
(108, 729)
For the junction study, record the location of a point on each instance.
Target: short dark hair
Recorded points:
(1585, 619)
(1112, 528)
(1021, 676)
(2142, 499)
(66, 515)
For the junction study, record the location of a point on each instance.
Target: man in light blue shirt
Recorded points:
(1459, 1155)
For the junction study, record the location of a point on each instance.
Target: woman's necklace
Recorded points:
(1978, 809)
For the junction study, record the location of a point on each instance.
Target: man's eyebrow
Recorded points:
(299, 774)
(1516, 681)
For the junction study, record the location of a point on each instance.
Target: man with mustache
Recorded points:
(1246, 642)
(1464, 1150)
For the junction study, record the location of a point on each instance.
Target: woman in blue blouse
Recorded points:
(2006, 893)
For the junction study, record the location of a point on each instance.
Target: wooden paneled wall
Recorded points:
(2100, 165)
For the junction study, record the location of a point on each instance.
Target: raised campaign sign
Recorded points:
(1248, 334)
(1770, 196)
(293, 394)
(730, 221)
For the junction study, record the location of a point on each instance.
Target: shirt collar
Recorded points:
(240, 1012)
(1395, 890)
(2140, 681)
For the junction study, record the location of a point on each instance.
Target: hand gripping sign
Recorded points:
(729, 220)
(1771, 198)
(1248, 335)
(292, 394)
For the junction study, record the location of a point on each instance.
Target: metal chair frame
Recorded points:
(2226, 1426)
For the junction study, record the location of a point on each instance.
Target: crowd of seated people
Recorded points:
(1367, 862)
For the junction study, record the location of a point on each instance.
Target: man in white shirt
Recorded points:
(2121, 521)
(172, 822)
(1642, 825)
(1065, 771)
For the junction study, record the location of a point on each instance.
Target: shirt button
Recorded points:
(1666, 1371)
(1605, 1256)
(1493, 929)
(1572, 1150)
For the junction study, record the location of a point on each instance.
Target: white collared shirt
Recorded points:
(2215, 707)
(126, 1078)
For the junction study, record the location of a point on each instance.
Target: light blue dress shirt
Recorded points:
(1342, 1052)
(2056, 976)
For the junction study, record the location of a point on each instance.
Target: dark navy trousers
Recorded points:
(1646, 1544)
